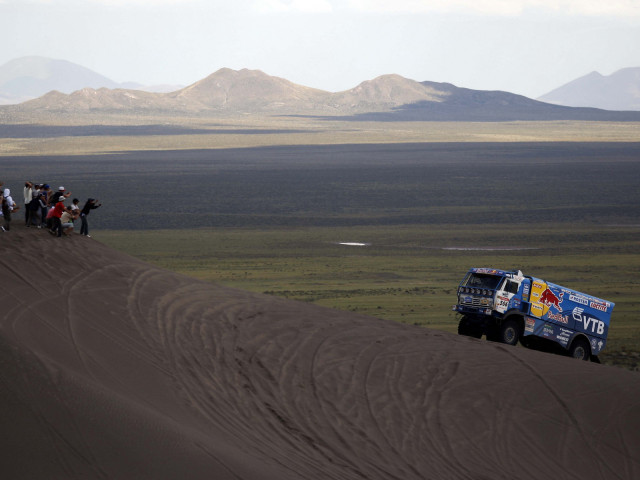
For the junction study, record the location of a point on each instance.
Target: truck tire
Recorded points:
(509, 332)
(580, 349)
(493, 334)
(466, 328)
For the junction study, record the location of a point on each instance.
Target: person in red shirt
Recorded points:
(58, 209)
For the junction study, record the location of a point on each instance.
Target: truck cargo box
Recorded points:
(558, 313)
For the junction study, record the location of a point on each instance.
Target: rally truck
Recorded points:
(509, 307)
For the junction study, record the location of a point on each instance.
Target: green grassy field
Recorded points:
(407, 274)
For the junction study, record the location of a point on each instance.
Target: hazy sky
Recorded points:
(522, 46)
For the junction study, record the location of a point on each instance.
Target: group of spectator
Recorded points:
(45, 208)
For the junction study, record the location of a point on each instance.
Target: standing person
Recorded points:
(4, 209)
(91, 204)
(57, 211)
(27, 193)
(8, 205)
(43, 199)
(34, 206)
(75, 206)
(75, 209)
(54, 197)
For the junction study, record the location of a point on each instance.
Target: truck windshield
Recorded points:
(481, 280)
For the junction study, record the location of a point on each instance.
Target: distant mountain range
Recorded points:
(27, 78)
(385, 98)
(618, 91)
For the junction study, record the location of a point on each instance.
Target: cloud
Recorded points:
(591, 8)
(285, 6)
(498, 7)
(148, 3)
(108, 3)
(240, 6)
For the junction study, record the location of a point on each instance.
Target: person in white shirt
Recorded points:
(8, 206)
(27, 193)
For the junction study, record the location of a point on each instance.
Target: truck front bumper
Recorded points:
(463, 309)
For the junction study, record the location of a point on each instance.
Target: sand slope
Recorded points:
(111, 368)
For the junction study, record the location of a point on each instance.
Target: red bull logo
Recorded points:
(549, 298)
(559, 318)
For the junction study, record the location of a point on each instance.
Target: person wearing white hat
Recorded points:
(59, 194)
(58, 209)
(66, 221)
(8, 206)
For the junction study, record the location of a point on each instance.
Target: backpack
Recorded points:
(34, 204)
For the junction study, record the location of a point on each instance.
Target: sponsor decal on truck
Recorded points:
(587, 322)
(551, 299)
(556, 317)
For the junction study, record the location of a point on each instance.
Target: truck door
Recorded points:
(506, 298)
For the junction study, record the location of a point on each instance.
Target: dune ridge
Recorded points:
(112, 368)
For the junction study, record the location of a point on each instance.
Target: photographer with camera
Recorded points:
(91, 204)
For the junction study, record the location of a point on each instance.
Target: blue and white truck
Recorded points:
(508, 306)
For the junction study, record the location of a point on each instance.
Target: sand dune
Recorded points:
(111, 368)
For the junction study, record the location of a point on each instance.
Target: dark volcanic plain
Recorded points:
(339, 185)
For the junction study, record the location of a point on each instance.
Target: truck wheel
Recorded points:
(580, 349)
(467, 329)
(526, 342)
(493, 334)
(509, 332)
